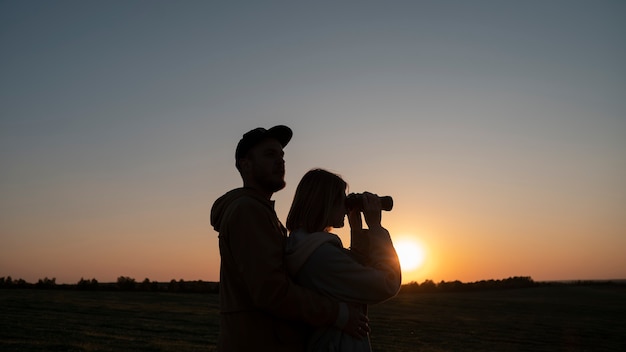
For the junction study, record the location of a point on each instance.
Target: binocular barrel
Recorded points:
(355, 201)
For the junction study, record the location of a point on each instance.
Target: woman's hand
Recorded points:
(372, 210)
(358, 323)
(354, 219)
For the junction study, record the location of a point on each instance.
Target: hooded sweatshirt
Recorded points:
(259, 305)
(368, 273)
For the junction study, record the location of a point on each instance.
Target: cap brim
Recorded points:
(281, 133)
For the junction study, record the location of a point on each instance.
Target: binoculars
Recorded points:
(355, 201)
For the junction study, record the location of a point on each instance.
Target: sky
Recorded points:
(498, 127)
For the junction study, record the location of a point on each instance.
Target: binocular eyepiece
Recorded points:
(355, 201)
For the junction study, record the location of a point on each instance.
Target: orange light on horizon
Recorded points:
(412, 255)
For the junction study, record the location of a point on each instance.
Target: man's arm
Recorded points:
(256, 242)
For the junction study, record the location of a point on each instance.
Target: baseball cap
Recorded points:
(281, 133)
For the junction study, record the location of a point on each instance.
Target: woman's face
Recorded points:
(339, 213)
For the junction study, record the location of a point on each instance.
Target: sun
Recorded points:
(411, 254)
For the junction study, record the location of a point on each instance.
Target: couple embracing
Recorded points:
(297, 288)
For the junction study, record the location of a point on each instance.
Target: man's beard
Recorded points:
(271, 184)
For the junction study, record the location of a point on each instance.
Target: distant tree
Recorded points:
(428, 286)
(484, 284)
(90, 285)
(146, 285)
(125, 283)
(411, 287)
(518, 282)
(173, 286)
(46, 283)
(21, 283)
(451, 286)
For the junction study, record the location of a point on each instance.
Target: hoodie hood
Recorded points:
(222, 203)
(300, 246)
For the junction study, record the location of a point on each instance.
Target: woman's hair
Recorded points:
(316, 196)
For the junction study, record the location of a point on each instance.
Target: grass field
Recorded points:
(552, 318)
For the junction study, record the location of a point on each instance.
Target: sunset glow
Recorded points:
(410, 253)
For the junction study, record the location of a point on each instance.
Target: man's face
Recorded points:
(266, 165)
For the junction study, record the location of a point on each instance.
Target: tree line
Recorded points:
(458, 286)
(125, 283)
(503, 284)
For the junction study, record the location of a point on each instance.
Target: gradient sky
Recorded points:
(499, 127)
